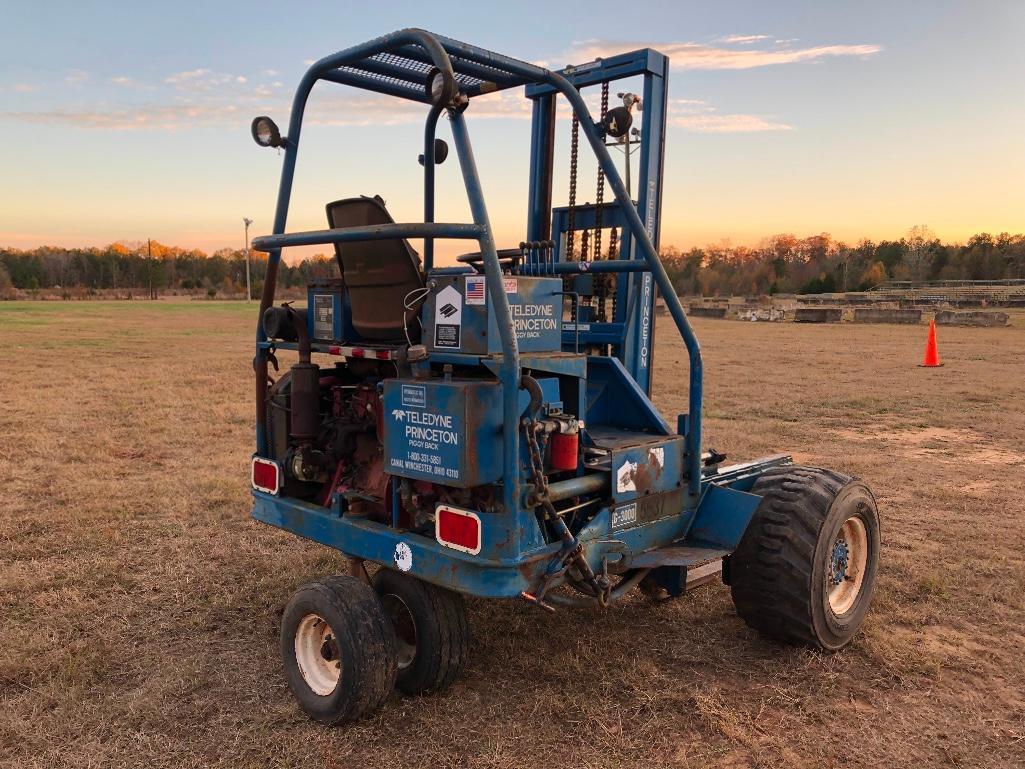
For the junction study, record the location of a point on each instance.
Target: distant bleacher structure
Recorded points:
(954, 293)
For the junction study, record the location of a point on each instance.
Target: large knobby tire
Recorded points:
(431, 631)
(338, 649)
(805, 568)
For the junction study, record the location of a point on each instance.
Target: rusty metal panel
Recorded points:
(651, 465)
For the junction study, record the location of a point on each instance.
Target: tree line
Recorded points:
(780, 264)
(819, 264)
(150, 266)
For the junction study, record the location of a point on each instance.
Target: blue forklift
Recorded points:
(486, 428)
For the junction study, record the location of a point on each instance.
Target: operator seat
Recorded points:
(378, 274)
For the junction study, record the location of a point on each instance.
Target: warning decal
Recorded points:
(448, 318)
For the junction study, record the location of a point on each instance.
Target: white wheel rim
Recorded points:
(846, 565)
(317, 655)
(405, 628)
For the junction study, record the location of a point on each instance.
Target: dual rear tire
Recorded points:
(347, 645)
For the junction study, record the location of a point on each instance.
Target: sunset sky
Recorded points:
(131, 120)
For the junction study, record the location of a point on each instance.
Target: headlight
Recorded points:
(266, 133)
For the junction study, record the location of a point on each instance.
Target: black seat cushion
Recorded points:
(379, 274)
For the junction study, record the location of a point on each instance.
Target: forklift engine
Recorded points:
(327, 427)
(487, 428)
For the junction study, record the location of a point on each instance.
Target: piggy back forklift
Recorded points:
(486, 428)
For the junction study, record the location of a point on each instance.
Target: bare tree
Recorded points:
(918, 258)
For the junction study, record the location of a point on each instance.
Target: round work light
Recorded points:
(266, 133)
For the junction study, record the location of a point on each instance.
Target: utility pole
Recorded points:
(149, 267)
(249, 293)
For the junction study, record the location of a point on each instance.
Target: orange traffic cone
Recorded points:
(932, 354)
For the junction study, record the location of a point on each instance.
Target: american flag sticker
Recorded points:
(475, 289)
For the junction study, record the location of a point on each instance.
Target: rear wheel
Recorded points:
(338, 649)
(805, 569)
(432, 634)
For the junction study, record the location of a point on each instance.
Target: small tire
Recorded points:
(338, 649)
(431, 631)
(805, 569)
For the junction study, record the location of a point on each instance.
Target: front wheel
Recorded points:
(805, 568)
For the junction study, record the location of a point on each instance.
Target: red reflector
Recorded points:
(334, 350)
(357, 352)
(266, 476)
(458, 529)
(383, 355)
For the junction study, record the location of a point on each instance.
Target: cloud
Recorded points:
(76, 77)
(343, 110)
(202, 97)
(327, 110)
(697, 116)
(148, 116)
(24, 88)
(737, 123)
(690, 55)
(188, 76)
(742, 39)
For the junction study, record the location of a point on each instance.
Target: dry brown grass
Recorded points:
(139, 604)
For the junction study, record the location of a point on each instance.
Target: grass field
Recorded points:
(139, 604)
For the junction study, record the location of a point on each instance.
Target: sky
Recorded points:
(127, 120)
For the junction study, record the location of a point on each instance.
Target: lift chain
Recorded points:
(599, 195)
(571, 213)
(610, 287)
(602, 280)
(572, 553)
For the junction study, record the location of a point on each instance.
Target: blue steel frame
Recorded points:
(507, 568)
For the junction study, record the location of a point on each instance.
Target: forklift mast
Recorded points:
(629, 333)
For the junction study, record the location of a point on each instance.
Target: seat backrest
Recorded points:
(378, 274)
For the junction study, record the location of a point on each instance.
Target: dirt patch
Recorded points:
(940, 443)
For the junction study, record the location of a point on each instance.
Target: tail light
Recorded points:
(458, 529)
(266, 475)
